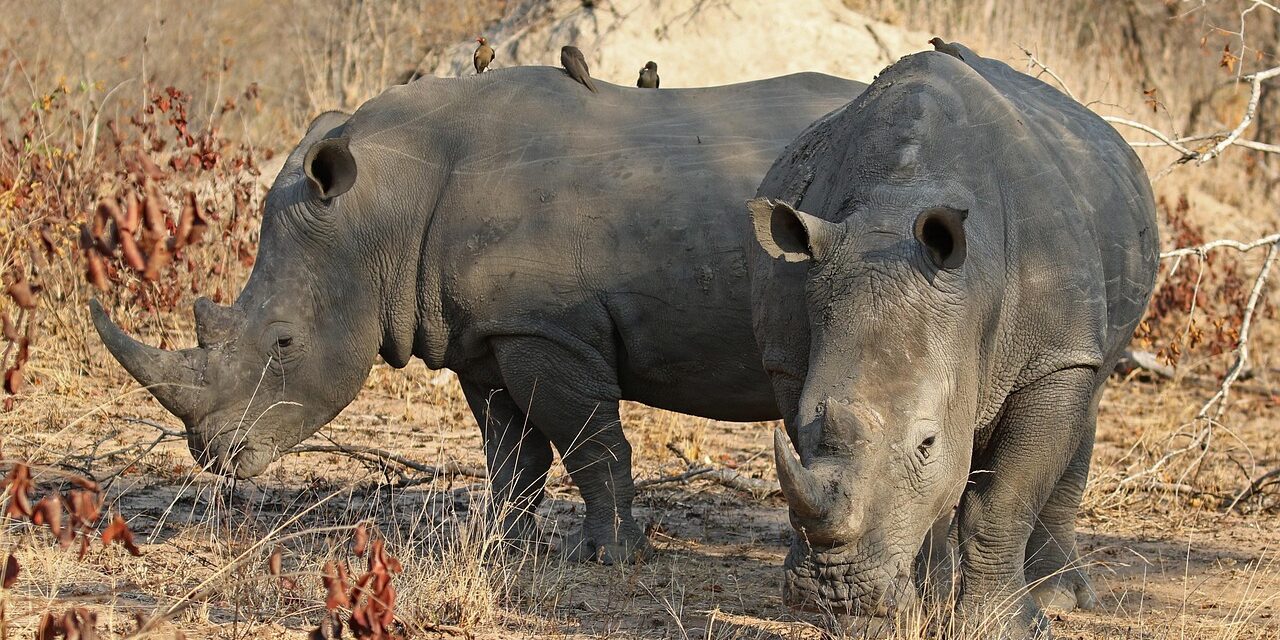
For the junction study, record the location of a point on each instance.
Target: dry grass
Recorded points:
(1167, 563)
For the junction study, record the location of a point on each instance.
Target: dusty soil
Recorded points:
(1163, 568)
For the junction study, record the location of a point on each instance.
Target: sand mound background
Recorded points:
(695, 42)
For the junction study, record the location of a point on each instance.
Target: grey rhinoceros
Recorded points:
(946, 271)
(561, 250)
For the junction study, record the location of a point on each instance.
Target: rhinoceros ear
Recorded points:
(330, 166)
(940, 231)
(327, 122)
(791, 235)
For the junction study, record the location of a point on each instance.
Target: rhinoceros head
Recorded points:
(298, 342)
(884, 429)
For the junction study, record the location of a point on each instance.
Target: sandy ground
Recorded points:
(1163, 569)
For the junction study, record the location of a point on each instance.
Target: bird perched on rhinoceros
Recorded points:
(947, 269)
(483, 55)
(560, 251)
(575, 64)
(648, 78)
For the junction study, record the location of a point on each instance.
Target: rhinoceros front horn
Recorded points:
(173, 377)
(801, 486)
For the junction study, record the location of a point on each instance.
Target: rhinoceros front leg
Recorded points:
(571, 393)
(518, 457)
(1052, 565)
(1042, 428)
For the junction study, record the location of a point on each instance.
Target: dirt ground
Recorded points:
(1162, 567)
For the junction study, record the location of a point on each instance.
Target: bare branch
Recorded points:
(1255, 95)
(1256, 487)
(1222, 244)
(1032, 61)
(1224, 140)
(722, 476)
(1242, 347)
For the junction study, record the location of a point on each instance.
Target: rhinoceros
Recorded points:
(560, 250)
(945, 272)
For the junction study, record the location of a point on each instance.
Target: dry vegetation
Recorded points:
(131, 139)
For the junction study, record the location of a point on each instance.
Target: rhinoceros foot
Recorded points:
(1066, 591)
(608, 545)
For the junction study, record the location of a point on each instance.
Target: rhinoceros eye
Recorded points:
(925, 446)
(284, 341)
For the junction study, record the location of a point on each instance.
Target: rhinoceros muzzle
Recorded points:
(850, 580)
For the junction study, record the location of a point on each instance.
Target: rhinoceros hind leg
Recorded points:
(518, 457)
(571, 393)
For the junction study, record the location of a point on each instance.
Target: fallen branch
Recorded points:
(1146, 361)
(1256, 487)
(369, 454)
(719, 475)
(678, 478)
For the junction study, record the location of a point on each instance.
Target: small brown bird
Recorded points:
(945, 47)
(483, 55)
(649, 76)
(575, 64)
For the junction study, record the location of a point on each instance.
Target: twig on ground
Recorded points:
(1256, 487)
(722, 476)
(679, 477)
(379, 455)
(1147, 361)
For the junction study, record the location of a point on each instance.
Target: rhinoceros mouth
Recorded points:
(847, 580)
(234, 452)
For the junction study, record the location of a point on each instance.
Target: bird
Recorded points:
(575, 64)
(945, 47)
(483, 55)
(649, 76)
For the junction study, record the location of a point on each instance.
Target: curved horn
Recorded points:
(801, 487)
(174, 378)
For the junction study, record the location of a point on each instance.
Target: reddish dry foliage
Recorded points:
(74, 624)
(118, 531)
(361, 542)
(83, 509)
(1213, 286)
(19, 485)
(275, 567)
(372, 599)
(133, 246)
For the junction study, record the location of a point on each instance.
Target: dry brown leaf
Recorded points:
(118, 531)
(11, 571)
(361, 543)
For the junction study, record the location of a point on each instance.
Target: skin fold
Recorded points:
(945, 272)
(561, 250)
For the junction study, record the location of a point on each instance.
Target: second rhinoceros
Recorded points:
(948, 270)
(560, 250)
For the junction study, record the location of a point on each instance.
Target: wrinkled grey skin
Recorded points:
(968, 254)
(560, 250)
